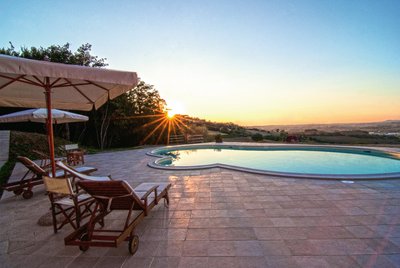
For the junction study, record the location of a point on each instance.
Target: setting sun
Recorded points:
(174, 107)
(171, 114)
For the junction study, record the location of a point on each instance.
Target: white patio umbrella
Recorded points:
(40, 116)
(42, 84)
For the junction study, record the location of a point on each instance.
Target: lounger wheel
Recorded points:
(84, 237)
(27, 194)
(133, 244)
(18, 191)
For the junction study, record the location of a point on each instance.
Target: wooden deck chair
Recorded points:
(45, 162)
(116, 195)
(75, 173)
(34, 177)
(64, 201)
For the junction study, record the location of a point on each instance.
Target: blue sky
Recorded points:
(250, 62)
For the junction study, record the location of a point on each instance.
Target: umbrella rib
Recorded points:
(70, 84)
(80, 91)
(37, 79)
(98, 85)
(31, 82)
(12, 80)
(21, 79)
(55, 81)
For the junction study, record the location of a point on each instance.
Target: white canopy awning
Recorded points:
(40, 116)
(73, 87)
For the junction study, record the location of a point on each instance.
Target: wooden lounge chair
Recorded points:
(75, 173)
(116, 195)
(73, 206)
(34, 177)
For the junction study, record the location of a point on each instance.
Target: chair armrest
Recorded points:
(154, 188)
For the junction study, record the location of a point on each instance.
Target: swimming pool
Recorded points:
(337, 162)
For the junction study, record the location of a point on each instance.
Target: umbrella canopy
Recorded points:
(42, 84)
(22, 83)
(40, 116)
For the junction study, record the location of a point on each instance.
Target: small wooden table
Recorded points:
(75, 158)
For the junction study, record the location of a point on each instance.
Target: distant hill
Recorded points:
(381, 127)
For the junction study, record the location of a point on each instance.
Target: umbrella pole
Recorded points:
(50, 136)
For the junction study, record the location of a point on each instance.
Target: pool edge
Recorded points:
(381, 176)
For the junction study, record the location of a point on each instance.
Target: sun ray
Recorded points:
(169, 131)
(153, 131)
(151, 123)
(162, 131)
(138, 116)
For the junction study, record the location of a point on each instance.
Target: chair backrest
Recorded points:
(58, 185)
(32, 166)
(120, 193)
(74, 173)
(69, 147)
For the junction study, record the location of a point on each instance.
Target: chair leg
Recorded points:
(166, 200)
(53, 214)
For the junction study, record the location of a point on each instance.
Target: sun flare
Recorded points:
(173, 108)
(170, 114)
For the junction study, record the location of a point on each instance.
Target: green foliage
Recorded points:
(198, 130)
(257, 137)
(336, 139)
(145, 100)
(218, 138)
(283, 135)
(60, 54)
(23, 143)
(272, 137)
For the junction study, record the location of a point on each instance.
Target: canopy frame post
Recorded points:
(47, 88)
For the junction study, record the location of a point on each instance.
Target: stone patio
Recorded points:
(222, 218)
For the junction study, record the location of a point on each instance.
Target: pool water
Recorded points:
(305, 160)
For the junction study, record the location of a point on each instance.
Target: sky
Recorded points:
(248, 62)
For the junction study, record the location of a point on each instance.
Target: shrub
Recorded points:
(218, 138)
(257, 137)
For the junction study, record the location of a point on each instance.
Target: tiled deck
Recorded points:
(223, 218)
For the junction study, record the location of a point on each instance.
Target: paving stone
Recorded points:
(135, 261)
(165, 262)
(170, 248)
(274, 248)
(221, 248)
(280, 262)
(83, 262)
(378, 261)
(110, 262)
(195, 248)
(231, 234)
(193, 262)
(267, 233)
(311, 261)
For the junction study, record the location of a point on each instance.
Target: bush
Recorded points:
(271, 137)
(218, 138)
(257, 137)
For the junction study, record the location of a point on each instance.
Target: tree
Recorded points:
(132, 112)
(60, 54)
